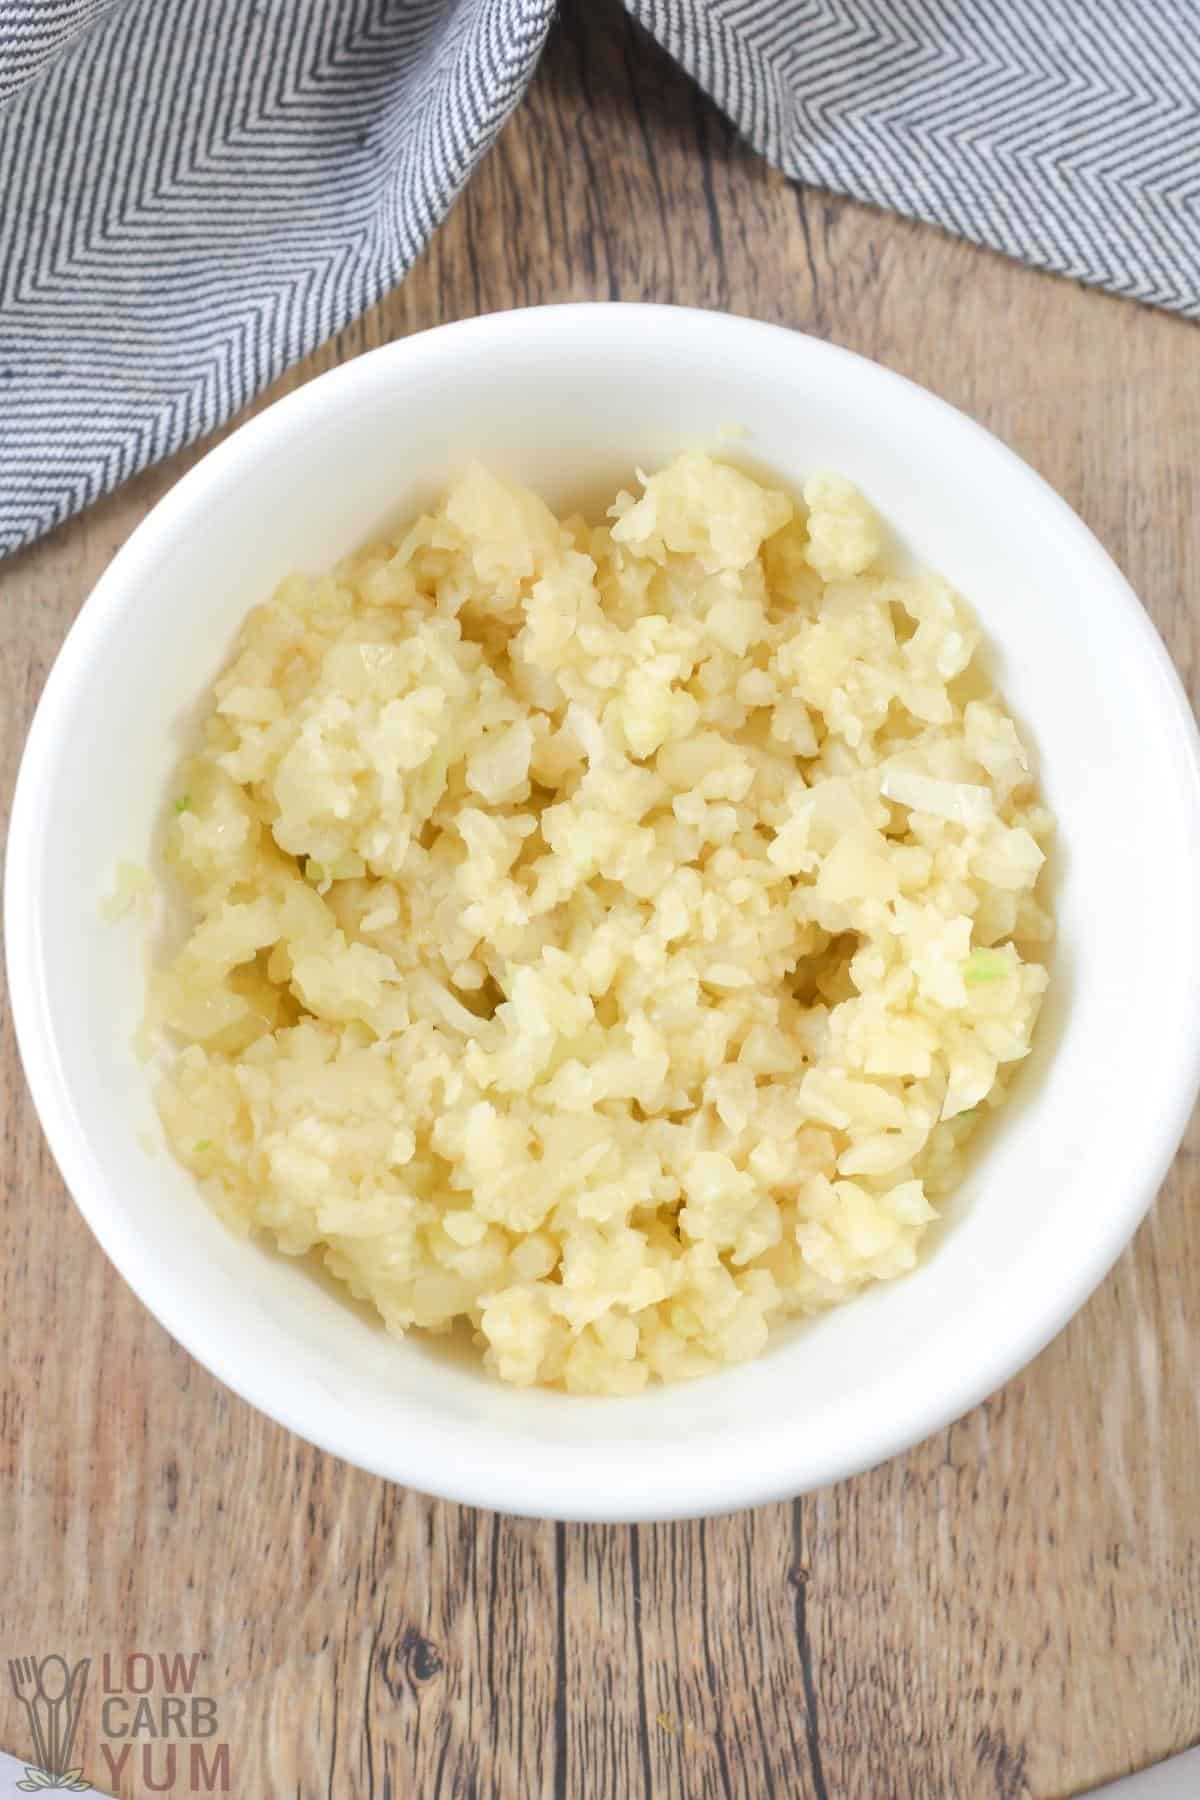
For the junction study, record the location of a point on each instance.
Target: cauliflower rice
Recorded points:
(606, 935)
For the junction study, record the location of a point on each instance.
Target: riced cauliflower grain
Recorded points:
(605, 935)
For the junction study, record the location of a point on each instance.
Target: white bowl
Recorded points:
(570, 399)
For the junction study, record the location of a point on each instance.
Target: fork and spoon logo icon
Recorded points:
(51, 1694)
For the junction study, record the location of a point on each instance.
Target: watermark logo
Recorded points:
(152, 1717)
(155, 1726)
(51, 1693)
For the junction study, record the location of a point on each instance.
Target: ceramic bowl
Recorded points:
(572, 399)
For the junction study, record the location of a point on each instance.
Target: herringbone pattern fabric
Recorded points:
(1064, 132)
(194, 193)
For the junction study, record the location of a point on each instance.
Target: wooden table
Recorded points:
(1014, 1607)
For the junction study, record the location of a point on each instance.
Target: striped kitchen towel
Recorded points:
(195, 193)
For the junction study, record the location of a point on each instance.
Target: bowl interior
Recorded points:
(572, 400)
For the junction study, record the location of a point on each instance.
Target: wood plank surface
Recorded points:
(1011, 1609)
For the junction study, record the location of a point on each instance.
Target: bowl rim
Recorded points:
(434, 1458)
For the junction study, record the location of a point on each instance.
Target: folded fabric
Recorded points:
(196, 194)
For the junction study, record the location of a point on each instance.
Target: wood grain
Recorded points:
(1011, 1609)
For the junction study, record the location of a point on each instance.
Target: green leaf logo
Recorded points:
(37, 1781)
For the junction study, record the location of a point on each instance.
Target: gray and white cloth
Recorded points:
(195, 193)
